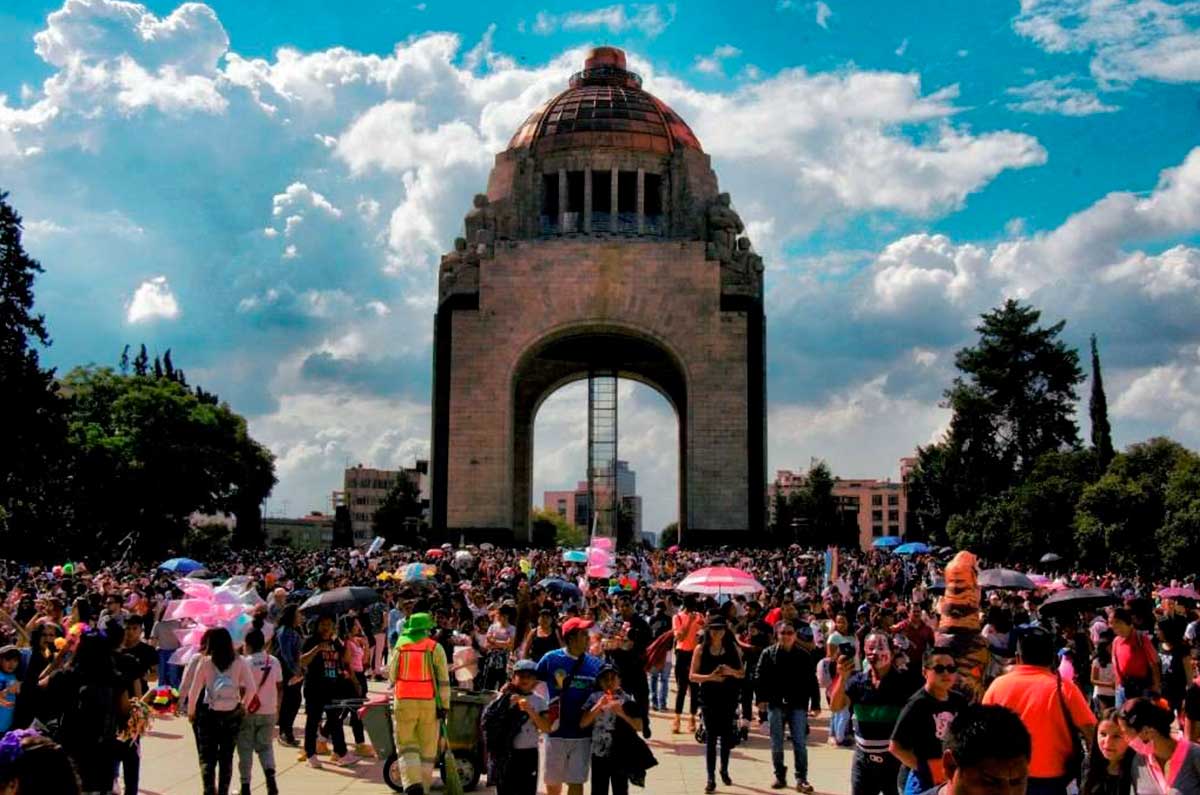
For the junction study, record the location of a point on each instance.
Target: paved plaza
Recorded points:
(169, 766)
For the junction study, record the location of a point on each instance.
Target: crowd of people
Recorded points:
(1104, 699)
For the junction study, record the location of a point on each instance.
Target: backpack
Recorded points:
(93, 721)
(223, 694)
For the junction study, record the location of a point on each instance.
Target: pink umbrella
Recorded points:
(1179, 593)
(434, 553)
(673, 548)
(719, 580)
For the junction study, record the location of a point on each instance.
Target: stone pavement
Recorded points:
(169, 766)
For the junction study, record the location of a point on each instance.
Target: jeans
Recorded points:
(684, 684)
(605, 774)
(839, 726)
(216, 734)
(289, 708)
(797, 721)
(168, 674)
(256, 737)
(874, 774)
(660, 683)
(129, 757)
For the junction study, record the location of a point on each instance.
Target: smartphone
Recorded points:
(846, 650)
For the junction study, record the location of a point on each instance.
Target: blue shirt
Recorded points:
(8, 700)
(553, 669)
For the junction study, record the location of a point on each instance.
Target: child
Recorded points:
(511, 723)
(256, 733)
(1110, 763)
(10, 685)
(601, 711)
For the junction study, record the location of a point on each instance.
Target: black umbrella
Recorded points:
(340, 600)
(1051, 557)
(560, 587)
(1007, 579)
(1078, 599)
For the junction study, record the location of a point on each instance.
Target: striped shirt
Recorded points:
(876, 708)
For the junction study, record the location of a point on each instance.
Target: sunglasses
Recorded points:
(942, 669)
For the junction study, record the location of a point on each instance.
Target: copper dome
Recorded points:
(605, 106)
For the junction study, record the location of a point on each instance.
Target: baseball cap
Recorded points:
(9, 651)
(572, 624)
(525, 667)
(804, 631)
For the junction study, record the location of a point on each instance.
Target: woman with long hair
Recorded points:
(223, 681)
(1104, 679)
(542, 638)
(357, 654)
(1110, 762)
(31, 764)
(31, 701)
(288, 638)
(1164, 765)
(686, 626)
(716, 666)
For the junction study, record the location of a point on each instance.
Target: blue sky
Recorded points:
(265, 188)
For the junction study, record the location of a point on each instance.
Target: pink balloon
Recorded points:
(603, 542)
(195, 588)
(189, 608)
(599, 571)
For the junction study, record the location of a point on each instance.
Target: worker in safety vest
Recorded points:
(420, 681)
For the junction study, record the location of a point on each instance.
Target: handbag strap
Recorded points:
(1072, 729)
(263, 681)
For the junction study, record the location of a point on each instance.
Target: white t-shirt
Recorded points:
(268, 694)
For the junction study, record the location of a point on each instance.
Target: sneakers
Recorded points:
(313, 762)
(345, 760)
(804, 787)
(364, 749)
(711, 786)
(778, 784)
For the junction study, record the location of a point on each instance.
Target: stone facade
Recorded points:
(546, 286)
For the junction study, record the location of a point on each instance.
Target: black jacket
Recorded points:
(787, 678)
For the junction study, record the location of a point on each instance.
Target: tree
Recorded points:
(1098, 412)
(550, 529)
(141, 363)
(147, 454)
(32, 474)
(123, 363)
(399, 516)
(819, 508)
(168, 366)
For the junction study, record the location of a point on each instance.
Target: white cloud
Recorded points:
(1057, 96)
(647, 19)
(824, 12)
(299, 195)
(903, 48)
(712, 63)
(152, 300)
(1168, 394)
(1127, 39)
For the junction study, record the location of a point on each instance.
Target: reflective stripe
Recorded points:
(414, 675)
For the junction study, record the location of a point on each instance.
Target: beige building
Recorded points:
(364, 489)
(877, 507)
(314, 531)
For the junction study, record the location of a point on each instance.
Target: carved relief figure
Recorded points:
(721, 227)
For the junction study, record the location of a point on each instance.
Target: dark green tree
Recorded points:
(399, 518)
(168, 366)
(820, 508)
(123, 363)
(147, 455)
(32, 473)
(1098, 412)
(141, 363)
(158, 369)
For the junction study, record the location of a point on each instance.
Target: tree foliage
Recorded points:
(399, 517)
(809, 516)
(1102, 441)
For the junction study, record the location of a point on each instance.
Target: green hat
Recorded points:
(416, 628)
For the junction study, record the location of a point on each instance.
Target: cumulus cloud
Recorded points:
(1127, 39)
(153, 300)
(824, 12)
(712, 63)
(1057, 95)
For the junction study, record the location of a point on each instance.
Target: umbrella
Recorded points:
(434, 553)
(463, 556)
(1039, 579)
(1077, 599)
(416, 572)
(486, 547)
(673, 548)
(1050, 557)
(181, 565)
(200, 574)
(887, 542)
(1005, 579)
(575, 556)
(938, 586)
(339, 600)
(913, 548)
(719, 580)
(1179, 593)
(560, 587)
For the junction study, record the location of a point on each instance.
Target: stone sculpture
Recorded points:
(722, 225)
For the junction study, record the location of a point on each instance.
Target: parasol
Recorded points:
(887, 542)
(715, 580)
(1179, 593)
(913, 548)
(575, 556)
(1073, 599)
(1050, 557)
(340, 600)
(560, 587)
(180, 565)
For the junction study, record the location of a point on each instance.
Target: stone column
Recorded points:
(614, 223)
(562, 201)
(587, 200)
(641, 200)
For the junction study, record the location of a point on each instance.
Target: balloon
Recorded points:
(189, 608)
(197, 589)
(598, 572)
(68, 569)
(60, 644)
(384, 576)
(57, 571)
(603, 542)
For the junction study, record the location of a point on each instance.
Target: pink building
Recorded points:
(878, 507)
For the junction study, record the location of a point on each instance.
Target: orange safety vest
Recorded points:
(414, 670)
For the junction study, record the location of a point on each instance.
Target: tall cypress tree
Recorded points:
(1098, 410)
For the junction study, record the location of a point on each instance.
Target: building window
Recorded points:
(877, 530)
(893, 499)
(877, 499)
(876, 516)
(893, 516)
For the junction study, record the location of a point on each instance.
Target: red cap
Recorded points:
(572, 624)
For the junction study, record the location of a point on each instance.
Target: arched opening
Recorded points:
(653, 386)
(648, 456)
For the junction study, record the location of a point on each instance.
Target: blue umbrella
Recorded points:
(181, 565)
(913, 548)
(887, 542)
(575, 556)
(559, 586)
